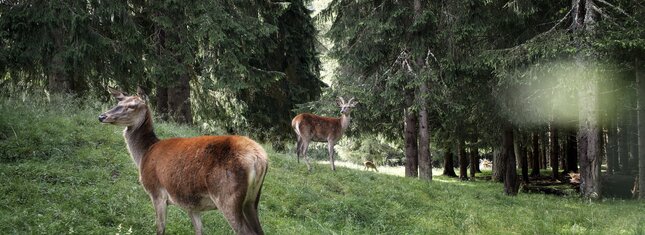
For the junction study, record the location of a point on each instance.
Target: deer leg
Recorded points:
(298, 149)
(305, 146)
(251, 216)
(196, 219)
(160, 203)
(330, 147)
(233, 210)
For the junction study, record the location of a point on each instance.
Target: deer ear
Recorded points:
(142, 94)
(119, 95)
(352, 102)
(340, 101)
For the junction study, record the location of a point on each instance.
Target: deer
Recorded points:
(310, 127)
(197, 174)
(575, 178)
(368, 165)
(485, 163)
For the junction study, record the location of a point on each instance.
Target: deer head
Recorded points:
(346, 107)
(130, 111)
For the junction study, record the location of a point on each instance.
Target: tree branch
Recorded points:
(618, 9)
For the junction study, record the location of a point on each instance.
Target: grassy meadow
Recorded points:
(62, 172)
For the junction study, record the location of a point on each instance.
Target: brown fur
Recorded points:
(196, 174)
(309, 127)
(317, 128)
(369, 164)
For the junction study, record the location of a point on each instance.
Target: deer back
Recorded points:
(189, 169)
(317, 128)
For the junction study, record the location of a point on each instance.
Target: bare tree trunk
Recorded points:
(589, 132)
(543, 152)
(473, 162)
(57, 78)
(641, 129)
(633, 147)
(555, 151)
(612, 133)
(410, 135)
(463, 160)
(508, 158)
(612, 144)
(623, 143)
(162, 103)
(535, 160)
(523, 159)
(572, 152)
(449, 164)
(477, 158)
(498, 165)
(179, 100)
(425, 159)
(589, 140)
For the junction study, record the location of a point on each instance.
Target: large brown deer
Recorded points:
(197, 174)
(309, 127)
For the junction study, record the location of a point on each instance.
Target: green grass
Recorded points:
(63, 172)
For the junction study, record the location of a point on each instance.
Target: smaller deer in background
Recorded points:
(575, 178)
(485, 163)
(309, 127)
(368, 165)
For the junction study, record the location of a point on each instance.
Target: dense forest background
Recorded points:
(527, 84)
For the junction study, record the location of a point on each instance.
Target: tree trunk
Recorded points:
(523, 159)
(410, 135)
(57, 78)
(498, 165)
(535, 160)
(572, 152)
(162, 103)
(473, 162)
(508, 158)
(623, 143)
(425, 160)
(641, 129)
(555, 152)
(477, 158)
(612, 143)
(633, 147)
(463, 160)
(543, 152)
(449, 164)
(589, 140)
(179, 100)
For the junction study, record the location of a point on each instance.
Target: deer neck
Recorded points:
(344, 121)
(139, 138)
